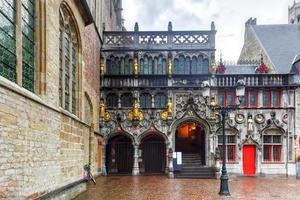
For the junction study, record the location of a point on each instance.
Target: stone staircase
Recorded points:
(192, 167)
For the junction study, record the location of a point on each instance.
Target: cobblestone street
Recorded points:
(160, 187)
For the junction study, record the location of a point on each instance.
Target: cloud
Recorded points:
(229, 17)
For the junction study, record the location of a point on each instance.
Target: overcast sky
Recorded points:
(229, 17)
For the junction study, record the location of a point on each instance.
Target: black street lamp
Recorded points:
(223, 111)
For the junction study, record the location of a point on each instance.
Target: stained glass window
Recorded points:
(8, 39)
(205, 66)
(187, 65)
(194, 65)
(28, 44)
(68, 50)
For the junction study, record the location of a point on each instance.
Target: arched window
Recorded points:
(145, 68)
(128, 69)
(127, 100)
(160, 65)
(112, 100)
(8, 44)
(194, 68)
(176, 66)
(160, 100)
(145, 100)
(205, 66)
(200, 66)
(187, 65)
(69, 50)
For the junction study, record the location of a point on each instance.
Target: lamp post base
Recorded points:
(224, 191)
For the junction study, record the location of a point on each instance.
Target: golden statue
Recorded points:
(213, 111)
(101, 68)
(213, 67)
(103, 114)
(136, 66)
(135, 113)
(170, 66)
(164, 115)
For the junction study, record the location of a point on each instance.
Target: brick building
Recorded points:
(49, 91)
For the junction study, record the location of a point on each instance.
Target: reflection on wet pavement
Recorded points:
(162, 188)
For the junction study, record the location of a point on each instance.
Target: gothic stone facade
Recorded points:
(151, 91)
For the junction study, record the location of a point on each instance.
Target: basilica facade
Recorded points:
(155, 120)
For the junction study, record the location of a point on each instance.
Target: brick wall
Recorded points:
(42, 146)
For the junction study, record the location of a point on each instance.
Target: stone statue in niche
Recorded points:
(250, 124)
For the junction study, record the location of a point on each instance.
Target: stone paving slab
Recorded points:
(162, 188)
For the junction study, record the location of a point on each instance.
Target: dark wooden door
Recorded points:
(154, 156)
(124, 157)
(119, 155)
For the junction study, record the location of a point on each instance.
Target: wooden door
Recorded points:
(154, 156)
(124, 157)
(249, 159)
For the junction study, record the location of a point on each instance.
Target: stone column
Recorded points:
(167, 158)
(136, 169)
(171, 173)
(104, 172)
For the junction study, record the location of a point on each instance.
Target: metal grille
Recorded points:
(7, 39)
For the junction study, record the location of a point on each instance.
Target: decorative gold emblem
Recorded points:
(164, 115)
(136, 66)
(239, 118)
(213, 112)
(135, 113)
(259, 118)
(285, 118)
(103, 114)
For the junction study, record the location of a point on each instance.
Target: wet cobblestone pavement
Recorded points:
(162, 188)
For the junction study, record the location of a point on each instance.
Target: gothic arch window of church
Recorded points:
(9, 67)
(145, 100)
(112, 100)
(160, 100)
(176, 66)
(126, 100)
(69, 51)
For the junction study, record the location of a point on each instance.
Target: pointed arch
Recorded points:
(70, 50)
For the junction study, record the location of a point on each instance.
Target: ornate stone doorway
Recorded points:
(119, 155)
(190, 139)
(153, 154)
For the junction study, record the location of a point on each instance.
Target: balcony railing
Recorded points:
(253, 80)
(181, 81)
(131, 40)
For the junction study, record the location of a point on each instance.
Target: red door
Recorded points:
(249, 158)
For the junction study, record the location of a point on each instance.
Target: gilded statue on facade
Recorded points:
(103, 114)
(135, 113)
(164, 115)
(170, 66)
(136, 66)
